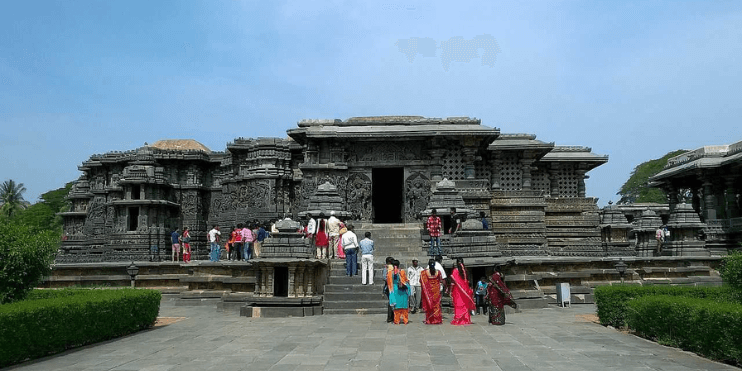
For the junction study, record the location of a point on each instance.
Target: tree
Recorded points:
(26, 255)
(43, 214)
(11, 194)
(637, 189)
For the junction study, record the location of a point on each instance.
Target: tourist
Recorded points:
(186, 239)
(485, 225)
(322, 241)
(659, 234)
(339, 250)
(311, 229)
(350, 249)
(499, 296)
(237, 244)
(175, 239)
(431, 282)
(439, 268)
(229, 246)
(480, 294)
(214, 242)
(461, 295)
(434, 230)
(333, 229)
(388, 267)
(367, 259)
(258, 238)
(455, 222)
(247, 243)
(413, 274)
(666, 234)
(399, 291)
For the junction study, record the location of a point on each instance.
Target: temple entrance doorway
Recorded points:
(387, 194)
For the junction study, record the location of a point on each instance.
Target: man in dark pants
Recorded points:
(389, 310)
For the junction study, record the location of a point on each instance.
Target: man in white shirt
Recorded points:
(413, 274)
(350, 247)
(214, 240)
(439, 268)
(333, 228)
(311, 229)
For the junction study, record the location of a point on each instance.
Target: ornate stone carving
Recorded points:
(358, 196)
(385, 152)
(417, 195)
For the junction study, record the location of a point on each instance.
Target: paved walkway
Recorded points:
(536, 339)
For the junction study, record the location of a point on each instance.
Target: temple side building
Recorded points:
(385, 170)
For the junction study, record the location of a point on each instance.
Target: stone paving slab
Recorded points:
(536, 339)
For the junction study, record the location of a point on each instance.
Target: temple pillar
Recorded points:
(709, 199)
(436, 169)
(292, 280)
(672, 195)
(731, 198)
(554, 180)
(526, 169)
(469, 158)
(269, 282)
(309, 278)
(581, 182)
(300, 281)
(696, 200)
(495, 172)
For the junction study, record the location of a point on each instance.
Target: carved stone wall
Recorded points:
(358, 196)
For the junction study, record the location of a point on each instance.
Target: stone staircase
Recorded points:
(402, 241)
(346, 295)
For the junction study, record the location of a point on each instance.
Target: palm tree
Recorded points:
(11, 195)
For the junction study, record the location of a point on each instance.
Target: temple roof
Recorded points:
(392, 127)
(575, 154)
(180, 145)
(520, 142)
(704, 157)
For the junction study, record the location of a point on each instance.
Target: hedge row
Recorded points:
(612, 301)
(709, 328)
(53, 321)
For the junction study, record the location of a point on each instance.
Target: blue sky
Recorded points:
(632, 80)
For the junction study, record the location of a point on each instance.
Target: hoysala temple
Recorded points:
(386, 175)
(384, 170)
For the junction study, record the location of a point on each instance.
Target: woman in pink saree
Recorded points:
(462, 295)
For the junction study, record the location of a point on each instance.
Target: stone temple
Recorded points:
(384, 170)
(385, 175)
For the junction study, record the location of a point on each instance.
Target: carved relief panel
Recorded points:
(358, 196)
(417, 195)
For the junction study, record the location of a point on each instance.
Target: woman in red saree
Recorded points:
(430, 281)
(499, 296)
(321, 241)
(462, 295)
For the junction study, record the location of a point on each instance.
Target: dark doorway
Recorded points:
(133, 219)
(387, 194)
(281, 281)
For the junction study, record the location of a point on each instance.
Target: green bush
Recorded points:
(703, 326)
(612, 301)
(54, 321)
(26, 255)
(731, 270)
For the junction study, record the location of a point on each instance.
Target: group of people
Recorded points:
(434, 226)
(431, 283)
(326, 235)
(243, 243)
(662, 235)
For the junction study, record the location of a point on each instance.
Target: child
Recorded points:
(480, 293)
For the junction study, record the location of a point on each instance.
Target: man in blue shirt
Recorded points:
(175, 237)
(367, 259)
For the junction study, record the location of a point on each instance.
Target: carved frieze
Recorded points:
(385, 152)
